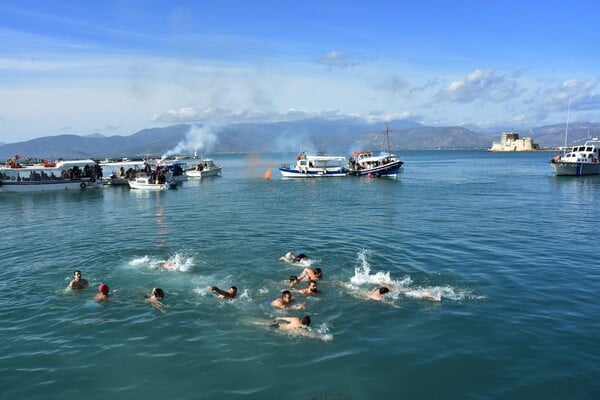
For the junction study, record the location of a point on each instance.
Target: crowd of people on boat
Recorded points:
(73, 173)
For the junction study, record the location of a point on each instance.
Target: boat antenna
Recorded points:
(567, 128)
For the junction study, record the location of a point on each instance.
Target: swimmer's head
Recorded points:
(293, 279)
(76, 273)
(286, 295)
(158, 293)
(318, 272)
(383, 290)
(233, 290)
(306, 320)
(103, 288)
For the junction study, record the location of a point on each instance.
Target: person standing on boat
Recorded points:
(78, 282)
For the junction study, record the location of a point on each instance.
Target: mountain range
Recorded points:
(339, 136)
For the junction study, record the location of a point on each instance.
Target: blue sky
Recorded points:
(115, 67)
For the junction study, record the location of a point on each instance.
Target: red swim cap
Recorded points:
(103, 288)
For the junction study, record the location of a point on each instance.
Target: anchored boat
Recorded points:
(364, 163)
(44, 175)
(314, 167)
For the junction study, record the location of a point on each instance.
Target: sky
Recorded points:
(116, 67)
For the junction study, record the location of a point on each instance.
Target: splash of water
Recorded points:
(362, 276)
(177, 262)
(362, 273)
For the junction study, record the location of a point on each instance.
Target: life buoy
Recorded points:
(92, 179)
(82, 185)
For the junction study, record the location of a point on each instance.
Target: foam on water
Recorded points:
(179, 261)
(405, 286)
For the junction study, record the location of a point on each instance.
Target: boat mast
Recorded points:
(387, 134)
(567, 128)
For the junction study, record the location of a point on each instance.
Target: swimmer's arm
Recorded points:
(158, 305)
(300, 306)
(219, 291)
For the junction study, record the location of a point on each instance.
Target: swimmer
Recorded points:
(286, 301)
(102, 294)
(288, 257)
(312, 274)
(291, 258)
(423, 294)
(224, 294)
(291, 323)
(311, 289)
(294, 280)
(78, 282)
(378, 293)
(169, 265)
(431, 296)
(300, 258)
(157, 295)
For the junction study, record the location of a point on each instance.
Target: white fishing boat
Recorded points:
(364, 163)
(580, 160)
(34, 175)
(119, 172)
(155, 181)
(203, 168)
(314, 167)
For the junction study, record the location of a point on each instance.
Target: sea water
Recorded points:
(511, 250)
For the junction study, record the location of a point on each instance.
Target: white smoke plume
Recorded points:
(199, 139)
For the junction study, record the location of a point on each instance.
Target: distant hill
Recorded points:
(334, 136)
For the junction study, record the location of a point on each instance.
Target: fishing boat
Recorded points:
(35, 175)
(364, 163)
(203, 168)
(121, 171)
(314, 167)
(580, 160)
(155, 181)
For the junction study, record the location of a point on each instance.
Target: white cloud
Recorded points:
(484, 86)
(220, 116)
(583, 95)
(336, 59)
(390, 116)
(393, 84)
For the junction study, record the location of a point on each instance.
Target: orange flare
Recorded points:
(268, 174)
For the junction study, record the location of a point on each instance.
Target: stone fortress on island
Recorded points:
(510, 142)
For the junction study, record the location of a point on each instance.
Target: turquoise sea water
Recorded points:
(512, 250)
